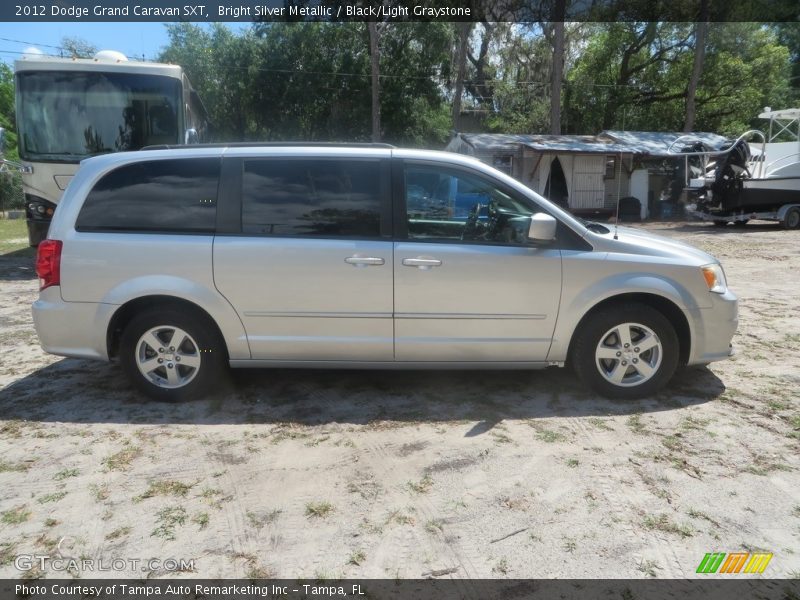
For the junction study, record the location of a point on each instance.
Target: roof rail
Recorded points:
(270, 144)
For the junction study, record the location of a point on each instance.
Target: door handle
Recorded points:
(422, 263)
(364, 261)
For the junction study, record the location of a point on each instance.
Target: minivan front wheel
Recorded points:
(628, 351)
(170, 355)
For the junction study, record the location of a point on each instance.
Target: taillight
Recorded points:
(48, 263)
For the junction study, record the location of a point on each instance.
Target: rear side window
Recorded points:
(162, 195)
(318, 197)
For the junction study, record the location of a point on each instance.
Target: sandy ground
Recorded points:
(347, 474)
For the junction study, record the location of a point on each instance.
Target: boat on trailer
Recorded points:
(756, 176)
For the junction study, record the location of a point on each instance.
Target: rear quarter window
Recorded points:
(177, 195)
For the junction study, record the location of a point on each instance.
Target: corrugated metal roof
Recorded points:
(543, 143)
(648, 143)
(657, 143)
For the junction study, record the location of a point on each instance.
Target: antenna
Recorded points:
(619, 183)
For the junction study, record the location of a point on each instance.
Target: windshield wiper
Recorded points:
(595, 226)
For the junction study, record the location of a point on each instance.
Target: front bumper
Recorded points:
(75, 329)
(713, 329)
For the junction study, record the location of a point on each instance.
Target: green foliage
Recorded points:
(78, 47)
(634, 76)
(7, 120)
(311, 81)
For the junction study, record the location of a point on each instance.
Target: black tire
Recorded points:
(593, 330)
(740, 223)
(791, 220)
(203, 345)
(720, 223)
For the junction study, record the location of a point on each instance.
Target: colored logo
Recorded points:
(735, 562)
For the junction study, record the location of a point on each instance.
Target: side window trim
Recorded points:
(229, 206)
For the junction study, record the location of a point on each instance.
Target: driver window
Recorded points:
(450, 205)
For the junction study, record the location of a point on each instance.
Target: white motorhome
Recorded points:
(68, 109)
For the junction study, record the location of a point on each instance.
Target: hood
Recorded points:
(637, 241)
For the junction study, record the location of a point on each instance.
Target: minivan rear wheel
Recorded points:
(627, 351)
(171, 356)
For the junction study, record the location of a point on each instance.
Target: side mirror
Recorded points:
(543, 228)
(191, 137)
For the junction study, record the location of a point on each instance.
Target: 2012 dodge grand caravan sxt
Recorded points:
(180, 261)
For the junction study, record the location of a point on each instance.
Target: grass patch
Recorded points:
(118, 533)
(54, 497)
(501, 437)
(201, 520)
(7, 467)
(763, 465)
(15, 516)
(573, 462)
(319, 510)
(649, 567)
(121, 461)
(501, 566)
(166, 487)
(600, 423)
(400, 518)
(51, 522)
(663, 523)
(547, 435)
(66, 474)
(168, 519)
(255, 571)
(636, 426)
(14, 237)
(99, 492)
(423, 486)
(258, 520)
(433, 526)
(357, 558)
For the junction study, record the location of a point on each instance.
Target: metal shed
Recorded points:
(587, 174)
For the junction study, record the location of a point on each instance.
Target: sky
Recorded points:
(132, 39)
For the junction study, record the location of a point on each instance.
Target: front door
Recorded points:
(469, 285)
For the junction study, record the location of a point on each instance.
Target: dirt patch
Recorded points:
(323, 474)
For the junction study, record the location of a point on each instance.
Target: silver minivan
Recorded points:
(178, 262)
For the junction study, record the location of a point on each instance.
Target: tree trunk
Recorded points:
(375, 59)
(463, 39)
(700, 29)
(556, 77)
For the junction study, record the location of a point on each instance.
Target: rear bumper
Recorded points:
(713, 329)
(75, 329)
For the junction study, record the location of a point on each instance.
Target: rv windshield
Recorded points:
(67, 116)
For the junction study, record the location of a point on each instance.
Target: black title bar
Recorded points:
(397, 10)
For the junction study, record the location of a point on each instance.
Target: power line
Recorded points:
(31, 43)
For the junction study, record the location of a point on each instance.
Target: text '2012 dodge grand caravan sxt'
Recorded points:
(180, 261)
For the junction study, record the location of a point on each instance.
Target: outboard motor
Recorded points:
(730, 171)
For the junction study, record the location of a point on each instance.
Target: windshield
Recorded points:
(70, 115)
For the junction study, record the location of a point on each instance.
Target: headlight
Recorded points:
(715, 278)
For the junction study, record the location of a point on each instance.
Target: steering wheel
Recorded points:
(471, 229)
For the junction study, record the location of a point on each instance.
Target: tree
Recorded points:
(312, 81)
(76, 47)
(375, 71)
(700, 29)
(10, 184)
(464, 30)
(633, 76)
